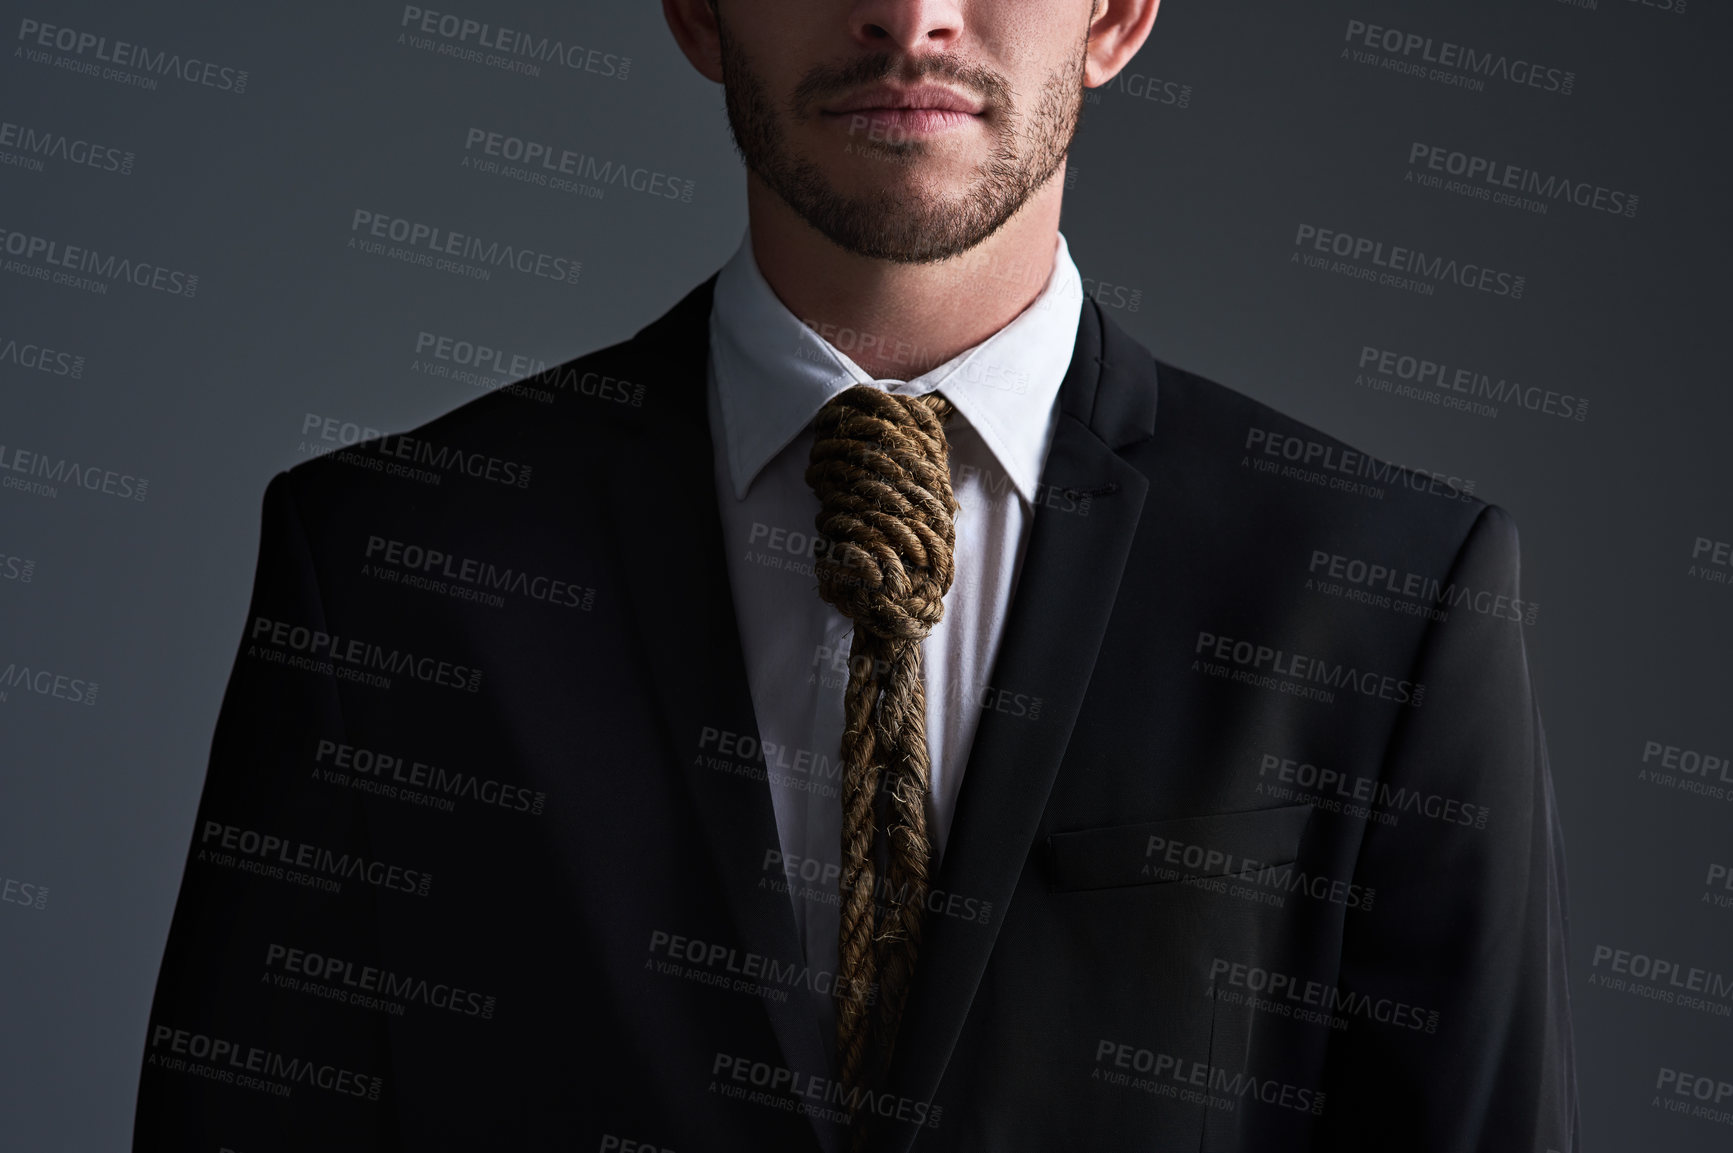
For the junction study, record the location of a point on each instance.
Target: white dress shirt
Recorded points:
(769, 374)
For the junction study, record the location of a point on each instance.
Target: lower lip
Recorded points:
(907, 120)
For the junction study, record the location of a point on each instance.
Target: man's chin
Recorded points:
(899, 176)
(898, 238)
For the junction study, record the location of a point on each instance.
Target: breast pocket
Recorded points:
(1137, 921)
(1180, 849)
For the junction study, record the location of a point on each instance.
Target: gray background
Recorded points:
(1193, 207)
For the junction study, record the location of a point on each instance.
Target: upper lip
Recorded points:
(921, 96)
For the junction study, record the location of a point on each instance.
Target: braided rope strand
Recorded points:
(908, 785)
(858, 961)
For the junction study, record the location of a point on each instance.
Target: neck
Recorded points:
(899, 320)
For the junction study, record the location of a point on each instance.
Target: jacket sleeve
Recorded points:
(1471, 920)
(241, 1052)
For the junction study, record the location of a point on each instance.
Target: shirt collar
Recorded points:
(773, 372)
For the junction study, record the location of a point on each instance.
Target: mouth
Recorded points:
(887, 110)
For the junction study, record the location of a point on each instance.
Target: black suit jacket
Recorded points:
(1256, 848)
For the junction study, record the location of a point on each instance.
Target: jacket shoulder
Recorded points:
(1265, 466)
(549, 421)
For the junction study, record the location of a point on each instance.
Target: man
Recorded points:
(879, 705)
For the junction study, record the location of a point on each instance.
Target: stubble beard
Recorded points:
(894, 223)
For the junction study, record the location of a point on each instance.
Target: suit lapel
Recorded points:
(662, 501)
(1053, 630)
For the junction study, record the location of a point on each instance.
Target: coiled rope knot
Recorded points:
(880, 467)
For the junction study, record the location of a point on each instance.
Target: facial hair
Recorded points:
(892, 223)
